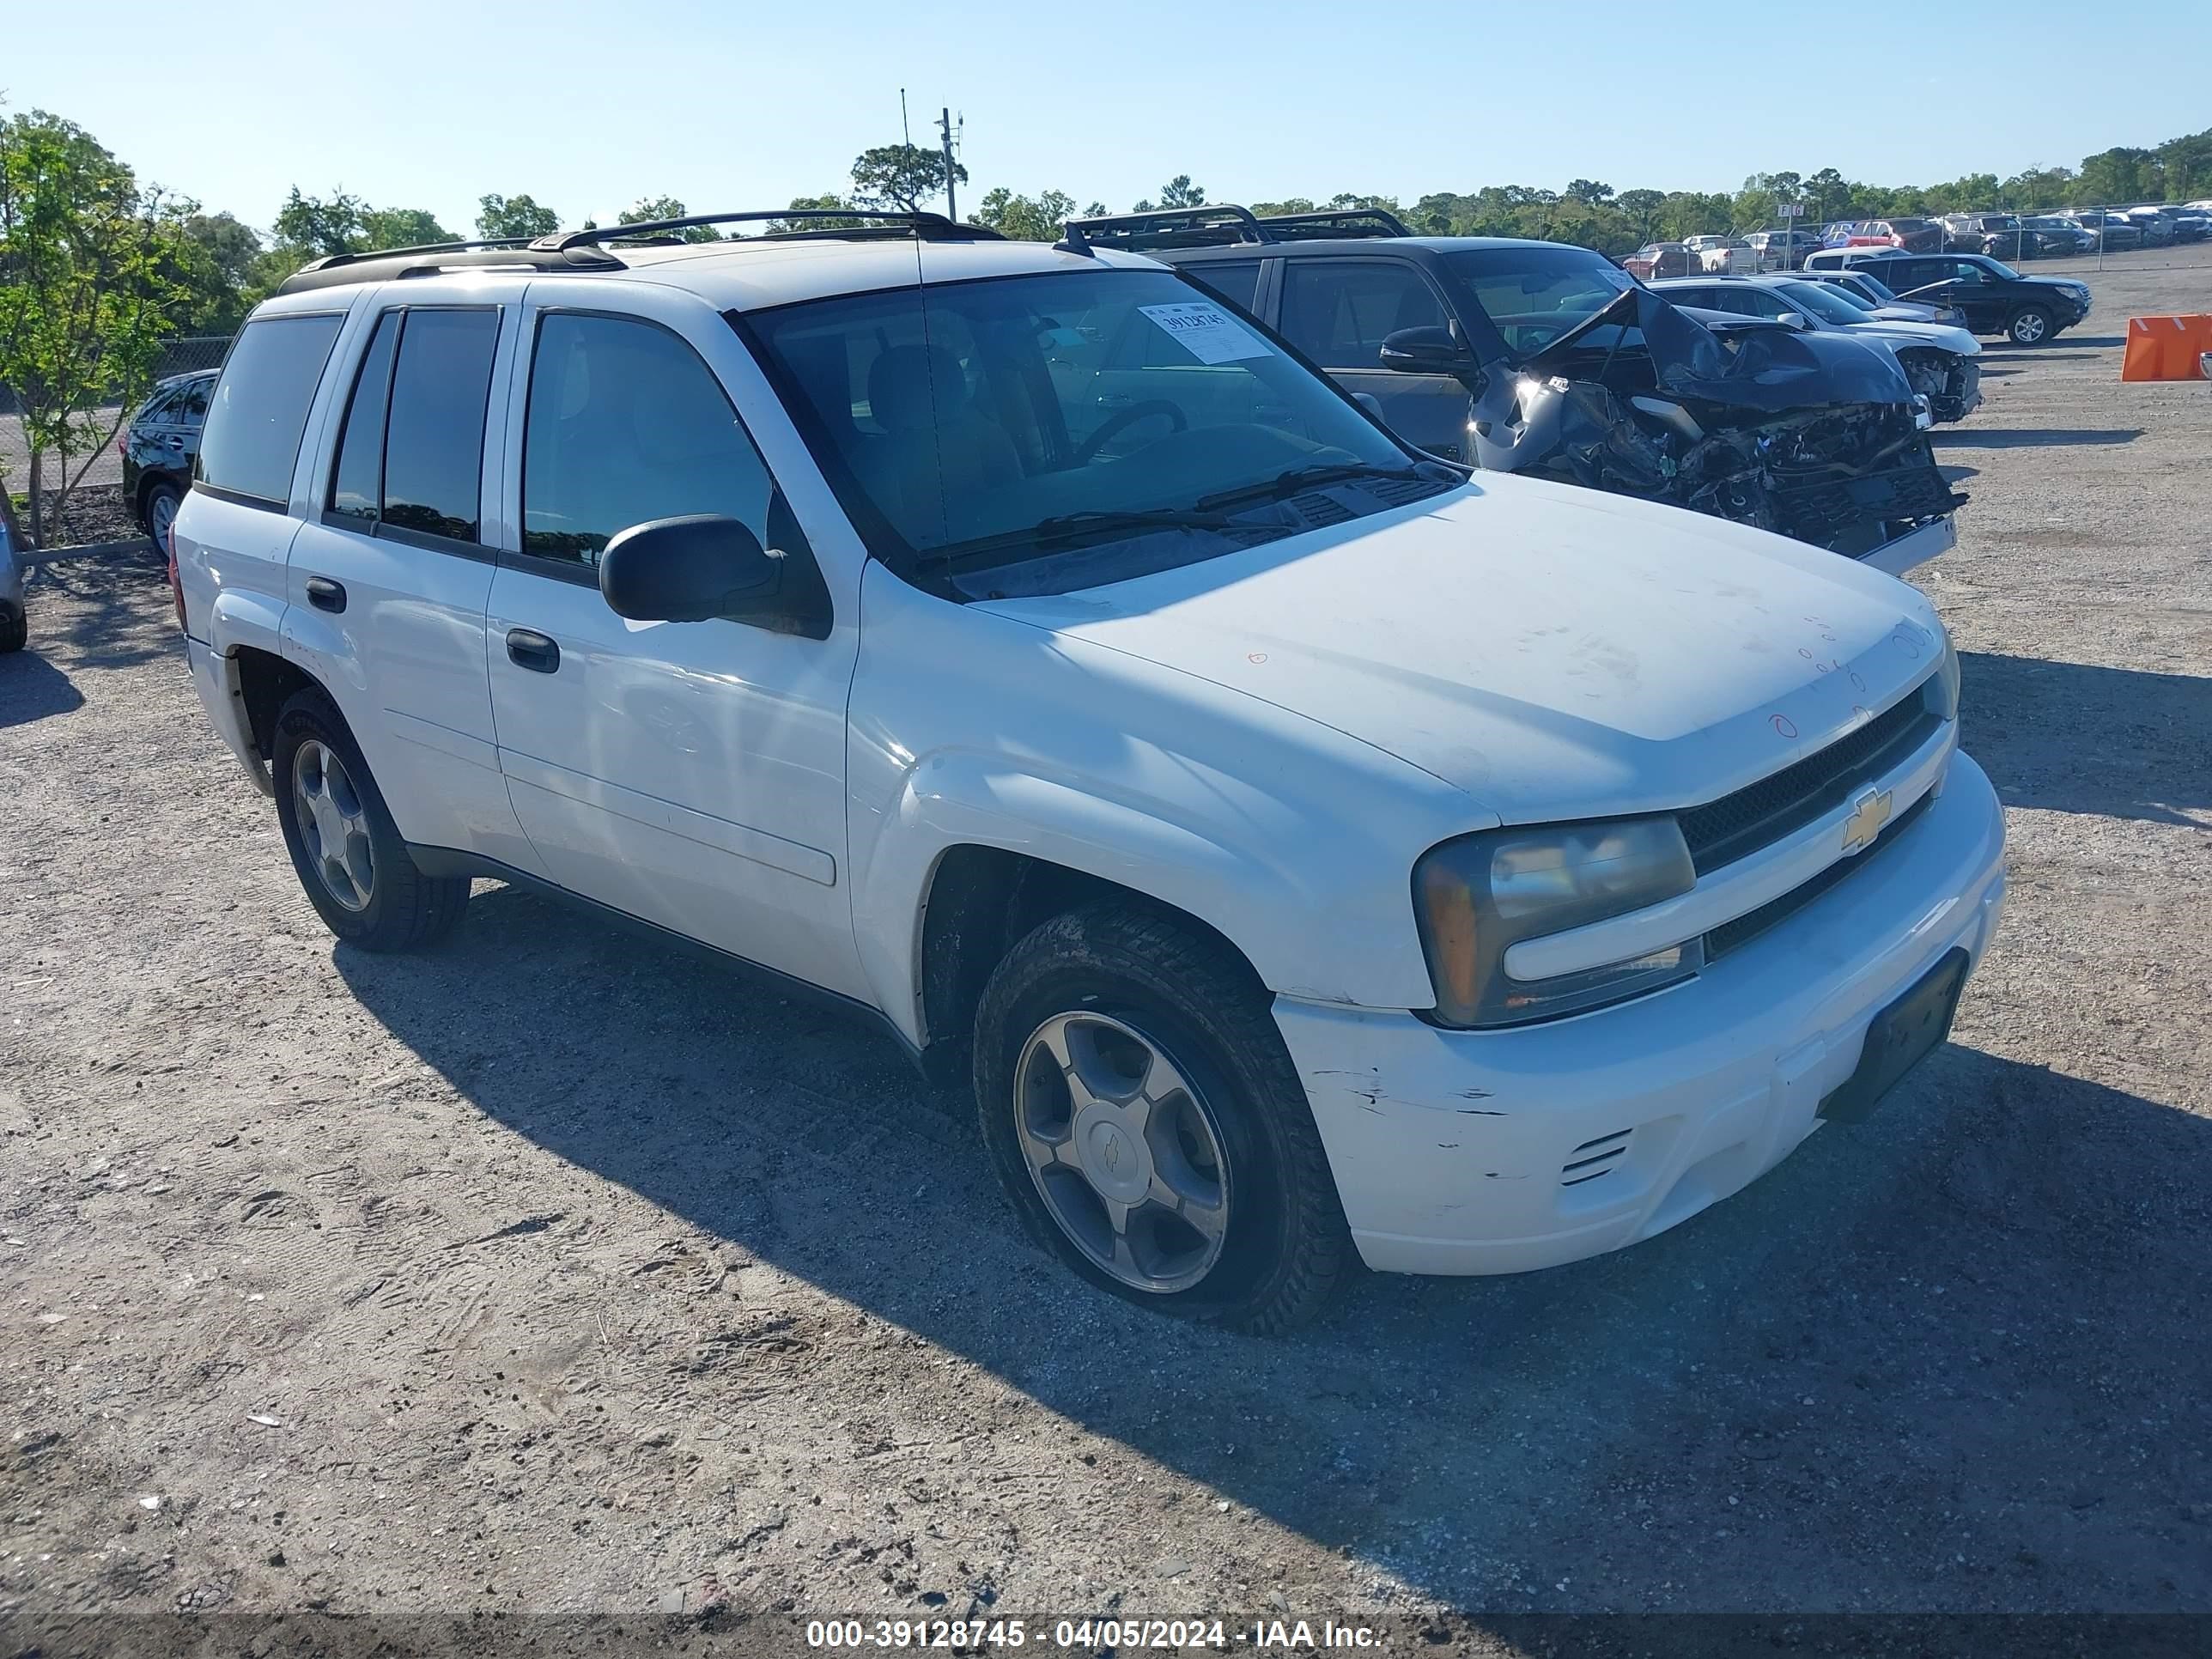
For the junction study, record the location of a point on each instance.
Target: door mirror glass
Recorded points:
(1796, 319)
(692, 568)
(1429, 350)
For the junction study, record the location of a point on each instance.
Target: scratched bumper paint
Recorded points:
(1474, 1152)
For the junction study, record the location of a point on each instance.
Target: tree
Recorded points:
(1641, 207)
(1026, 219)
(403, 228)
(321, 228)
(88, 280)
(900, 178)
(647, 208)
(1588, 192)
(1177, 192)
(224, 258)
(818, 203)
(503, 217)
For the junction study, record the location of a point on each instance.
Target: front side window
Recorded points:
(259, 408)
(1533, 294)
(1042, 433)
(1339, 312)
(357, 482)
(627, 424)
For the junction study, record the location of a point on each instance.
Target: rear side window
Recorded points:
(1234, 280)
(260, 406)
(433, 434)
(626, 424)
(357, 485)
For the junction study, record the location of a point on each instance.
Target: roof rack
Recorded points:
(330, 261)
(1225, 224)
(384, 264)
(927, 227)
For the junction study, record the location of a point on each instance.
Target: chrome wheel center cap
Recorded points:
(1114, 1161)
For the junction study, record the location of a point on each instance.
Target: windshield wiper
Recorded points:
(1066, 529)
(1284, 485)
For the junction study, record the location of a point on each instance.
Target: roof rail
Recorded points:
(389, 265)
(332, 261)
(927, 227)
(1166, 228)
(1341, 222)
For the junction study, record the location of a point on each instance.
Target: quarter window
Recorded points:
(260, 406)
(626, 424)
(1340, 312)
(1235, 280)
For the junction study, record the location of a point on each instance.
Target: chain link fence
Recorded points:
(179, 354)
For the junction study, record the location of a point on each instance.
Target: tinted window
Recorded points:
(357, 482)
(190, 406)
(626, 424)
(156, 408)
(434, 438)
(260, 405)
(1235, 280)
(1339, 312)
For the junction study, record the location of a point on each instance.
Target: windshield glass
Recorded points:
(1999, 267)
(1534, 293)
(1879, 292)
(1089, 425)
(1818, 300)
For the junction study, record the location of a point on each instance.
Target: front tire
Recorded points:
(14, 630)
(1149, 1127)
(351, 860)
(2030, 325)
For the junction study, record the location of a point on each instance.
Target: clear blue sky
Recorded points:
(589, 107)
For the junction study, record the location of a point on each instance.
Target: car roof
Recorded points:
(1306, 247)
(751, 273)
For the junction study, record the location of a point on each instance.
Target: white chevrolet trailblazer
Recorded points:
(1315, 853)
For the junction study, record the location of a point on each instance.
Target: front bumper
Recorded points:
(1452, 1150)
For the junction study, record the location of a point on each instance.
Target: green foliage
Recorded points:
(647, 208)
(1025, 218)
(817, 203)
(1177, 192)
(323, 226)
(900, 178)
(223, 259)
(91, 277)
(501, 216)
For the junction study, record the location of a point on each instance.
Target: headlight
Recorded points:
(1947, 681)
(1477, 895)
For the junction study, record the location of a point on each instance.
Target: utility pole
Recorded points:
(906, 132)
(945, 126)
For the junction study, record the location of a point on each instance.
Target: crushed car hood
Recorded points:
(1555, 651)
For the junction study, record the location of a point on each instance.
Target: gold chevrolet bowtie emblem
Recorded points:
(1870, 811)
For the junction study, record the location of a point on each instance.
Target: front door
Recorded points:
(691, 774)
(1339, 312)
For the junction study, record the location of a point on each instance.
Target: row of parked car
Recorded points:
(2003, 236)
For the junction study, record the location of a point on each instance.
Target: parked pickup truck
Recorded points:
(1308, 853)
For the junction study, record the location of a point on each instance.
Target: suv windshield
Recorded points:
(1534, 293)
(1822, 302)
(1036, 434)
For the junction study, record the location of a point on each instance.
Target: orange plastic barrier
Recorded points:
(2167, 347)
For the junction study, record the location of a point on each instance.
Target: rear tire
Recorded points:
(1231, 1215)
(348, 854)
(158, 511)
(2030, 325)
(14, 631)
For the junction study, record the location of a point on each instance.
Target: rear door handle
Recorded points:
(324, 594)
(528, 648)
(174, 441)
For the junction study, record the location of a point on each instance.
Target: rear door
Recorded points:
(691, 774)
(1339, 312)
(391, 574)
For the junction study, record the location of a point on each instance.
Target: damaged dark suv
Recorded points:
(1551, 361)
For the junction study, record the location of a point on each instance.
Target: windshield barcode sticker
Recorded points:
(1207, 332)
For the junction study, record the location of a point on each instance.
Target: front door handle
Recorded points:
(528, 648)
(324, 594)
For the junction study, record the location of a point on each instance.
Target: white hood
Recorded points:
(1912, 334)
(1556, 652)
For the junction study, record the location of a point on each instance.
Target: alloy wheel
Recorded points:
(333, 825)
(1123, 1149)
(163, 514)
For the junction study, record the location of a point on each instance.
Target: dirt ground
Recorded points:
(549, 1272)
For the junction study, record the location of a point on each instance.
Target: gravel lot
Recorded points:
(550, 1272)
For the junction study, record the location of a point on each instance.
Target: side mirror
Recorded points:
(1429, 350)
(687, 569)
(1371, 403)
(1796, 319)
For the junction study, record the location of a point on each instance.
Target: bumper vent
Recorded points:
(1729, 829)
(1594, 1158)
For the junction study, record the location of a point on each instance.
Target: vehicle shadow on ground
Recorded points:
(2068, 342)
(1986, 1302)
(2036, 437)
(2069, 737)
(31, 688)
